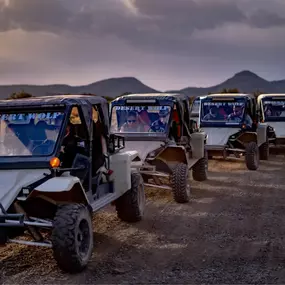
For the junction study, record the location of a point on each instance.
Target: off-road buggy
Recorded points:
(54, 204)
(158, 127)
(230, 123)
(271, 110)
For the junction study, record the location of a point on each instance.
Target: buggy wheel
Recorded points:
(200, 169)
(180, 183)
(252, 156)
(264, 151)
(72, 237)
(130, 206)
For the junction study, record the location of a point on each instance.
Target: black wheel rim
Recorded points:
(83, 238)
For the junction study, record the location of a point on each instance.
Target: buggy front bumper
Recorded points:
(215, 147)
(10, 220)
(19, 220)
(224, 151)
(223, 148)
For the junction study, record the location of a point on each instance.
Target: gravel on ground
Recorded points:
(231, 232)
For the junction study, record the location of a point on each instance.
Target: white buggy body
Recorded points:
(274, 119)
(278, 128)
(42, 188)
(12, 182)
(146, 148)
(230, 133)
(218, 136)
(158, 127)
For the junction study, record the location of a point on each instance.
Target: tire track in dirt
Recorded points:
(230, 232)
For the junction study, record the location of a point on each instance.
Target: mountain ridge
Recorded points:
(246, 81)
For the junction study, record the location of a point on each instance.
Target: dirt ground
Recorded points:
(231, 232)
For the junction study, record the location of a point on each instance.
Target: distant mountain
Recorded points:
(246, 81)
(112, 87)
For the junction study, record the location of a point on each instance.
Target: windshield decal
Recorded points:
(29, 134)
(27, 116)
(139, 108)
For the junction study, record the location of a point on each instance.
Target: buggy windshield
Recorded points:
(140, 119)
(29, 133)
(273, 109)
(227, 113)
(195, 107)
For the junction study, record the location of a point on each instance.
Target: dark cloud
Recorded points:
(179, 17)
(265, 19)
(151, 24)
(167, 17)
(134, 34)
(33, 15)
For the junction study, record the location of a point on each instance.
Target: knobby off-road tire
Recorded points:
(264, 151)
(252, 156)
(200, 169)
(130, 206)
(180, 183)
(72, 237)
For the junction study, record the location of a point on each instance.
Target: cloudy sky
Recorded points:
(167, 44)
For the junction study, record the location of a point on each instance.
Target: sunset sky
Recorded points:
(167, 44)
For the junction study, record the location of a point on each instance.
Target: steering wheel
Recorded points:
(46, 145)
(155, 129)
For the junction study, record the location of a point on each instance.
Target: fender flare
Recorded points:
(59, 190)
(169, 156)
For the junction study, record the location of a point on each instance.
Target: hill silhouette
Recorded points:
(112, 87)
(246, 81)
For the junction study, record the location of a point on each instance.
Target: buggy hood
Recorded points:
(219, 136)
(143, 147)
(279, 128)
(12, 181)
